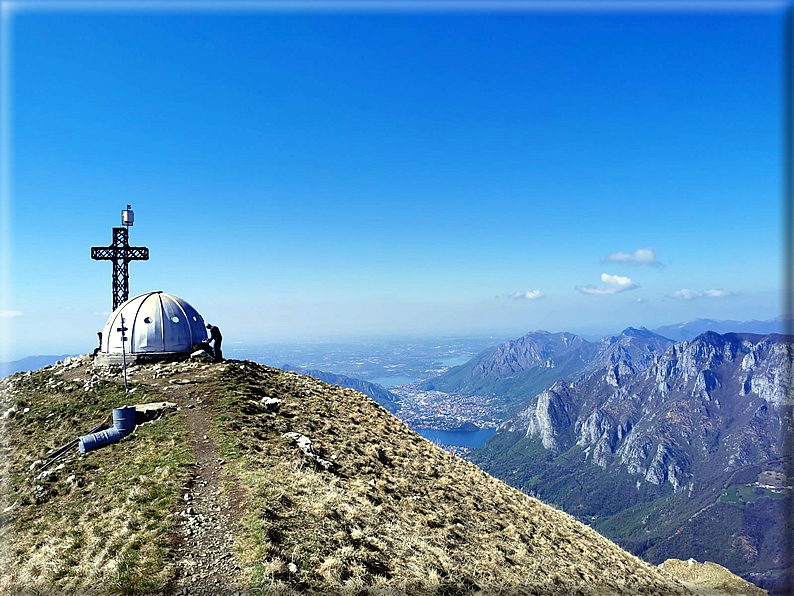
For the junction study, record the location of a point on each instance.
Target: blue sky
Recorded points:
(308, 175)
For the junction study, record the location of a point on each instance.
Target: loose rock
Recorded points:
(271, 404)
(304, 443)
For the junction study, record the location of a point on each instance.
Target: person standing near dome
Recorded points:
(215, 335)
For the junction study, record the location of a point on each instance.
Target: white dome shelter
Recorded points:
(159, 327)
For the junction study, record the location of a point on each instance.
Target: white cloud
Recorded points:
(641, 256)
(529, 295)
(614, 284)
(10, 314)
(687, 294)
(718, 293)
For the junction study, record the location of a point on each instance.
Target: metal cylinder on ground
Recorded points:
(124, 419)
(97, 440)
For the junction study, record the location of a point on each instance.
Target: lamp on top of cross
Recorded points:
(121, 253)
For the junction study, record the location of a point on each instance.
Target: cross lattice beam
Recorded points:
(121, 253)
(108, 253)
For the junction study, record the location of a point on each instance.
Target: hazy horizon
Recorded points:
(296, 340)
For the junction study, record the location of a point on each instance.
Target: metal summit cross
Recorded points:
(121, 253)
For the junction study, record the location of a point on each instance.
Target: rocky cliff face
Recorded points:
(663, 453)
(631, 351)
(550, 418)
(539, 349)
(712, 404)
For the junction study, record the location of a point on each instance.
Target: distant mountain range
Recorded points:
(29, 363)
(665, 448)
(515, 371)
(384, 397)
(691, 329)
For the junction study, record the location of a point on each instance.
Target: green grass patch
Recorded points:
(102, 520)
(737, 494)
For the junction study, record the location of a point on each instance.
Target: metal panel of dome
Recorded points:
(198, 331)
(147, 327)
(176, 329)
(111, 337)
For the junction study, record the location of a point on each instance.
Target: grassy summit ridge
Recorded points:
(395, 514)
(398, 511)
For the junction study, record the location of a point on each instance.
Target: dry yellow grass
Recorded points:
(399, 513)
(708, 579)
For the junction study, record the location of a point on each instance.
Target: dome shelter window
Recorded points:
(175, 319)
(147, 320)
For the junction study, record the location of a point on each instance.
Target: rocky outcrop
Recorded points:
(600, 432)
(625, 354)
(549, 419)
(647, 454)
(304, 443)
(668, 465)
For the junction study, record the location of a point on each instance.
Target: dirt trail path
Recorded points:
(205, 554)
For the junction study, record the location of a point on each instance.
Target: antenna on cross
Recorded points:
(121, 253)
(127, 216)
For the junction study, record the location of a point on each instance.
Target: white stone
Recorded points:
(10, 507)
